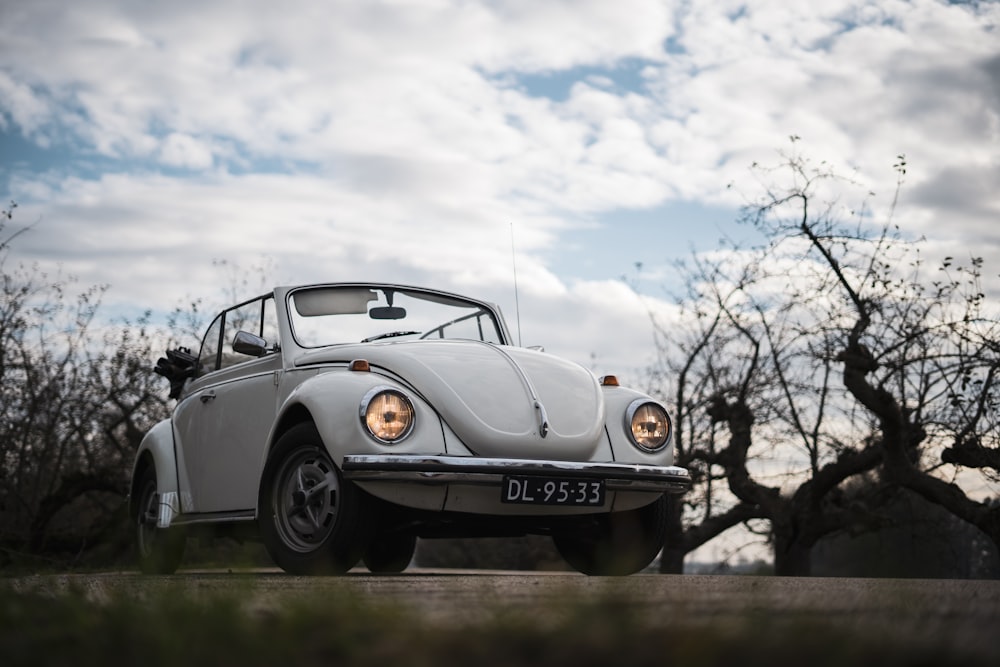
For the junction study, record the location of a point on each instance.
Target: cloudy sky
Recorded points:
(421, 141)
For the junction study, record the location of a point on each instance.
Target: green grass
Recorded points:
(165, 628)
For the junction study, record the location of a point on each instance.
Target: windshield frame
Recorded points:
(359, 305)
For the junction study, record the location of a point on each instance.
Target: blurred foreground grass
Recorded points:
(180, 628)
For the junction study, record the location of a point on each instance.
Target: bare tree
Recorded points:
(918, 353)
(754, 420)
(75, 398)
(814, 376)
(687, 378)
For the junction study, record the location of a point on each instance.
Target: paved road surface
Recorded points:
(935, 612)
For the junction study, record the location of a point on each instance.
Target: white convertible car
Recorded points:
(338, 423)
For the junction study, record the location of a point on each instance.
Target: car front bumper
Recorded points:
(490, 472)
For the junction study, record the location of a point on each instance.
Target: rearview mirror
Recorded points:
(387, 313)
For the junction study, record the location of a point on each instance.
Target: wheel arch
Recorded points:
(143, 462)
(157, 451)
(330, 401)
(293, 415)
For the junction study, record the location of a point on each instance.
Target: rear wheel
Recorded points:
(311, 520)
(160, 550)
(614, 544)
(390, 553)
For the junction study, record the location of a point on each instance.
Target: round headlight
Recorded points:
(387, 414)
(648, 424)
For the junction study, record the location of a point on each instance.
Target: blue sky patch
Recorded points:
(556, 85)
(653, 238)
(18, 154)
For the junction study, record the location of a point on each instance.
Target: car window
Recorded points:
(208, 357)
(474, 326)
(257, 317)
(332, 315)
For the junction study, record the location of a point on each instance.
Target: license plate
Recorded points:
(553, 491)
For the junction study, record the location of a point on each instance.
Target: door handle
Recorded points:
(207, 396)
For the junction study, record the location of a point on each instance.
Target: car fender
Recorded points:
(157, 447)
(618, 400)
(332, 400)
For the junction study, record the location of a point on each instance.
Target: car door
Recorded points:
(222, 422)
(222, 428)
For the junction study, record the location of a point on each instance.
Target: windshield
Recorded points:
(330, 315)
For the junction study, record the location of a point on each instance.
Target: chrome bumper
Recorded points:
(478, 471)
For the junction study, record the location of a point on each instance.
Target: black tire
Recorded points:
(390, 553)
(615, 544)
(159, 550)
(311, 520)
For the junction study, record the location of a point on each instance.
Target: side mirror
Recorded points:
(249, 344)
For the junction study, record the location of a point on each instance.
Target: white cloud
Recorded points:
(26, 110)
(181, 150)
(395, 141)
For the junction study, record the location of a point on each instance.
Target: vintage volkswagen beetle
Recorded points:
(340, 422)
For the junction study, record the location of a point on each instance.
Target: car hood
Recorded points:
(501, 401)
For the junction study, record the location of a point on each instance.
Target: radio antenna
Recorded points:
(517, 303)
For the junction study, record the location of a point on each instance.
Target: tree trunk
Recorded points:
(792, 558)
(672, 556)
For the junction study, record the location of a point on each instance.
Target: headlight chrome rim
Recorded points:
(637, 418)
(388, 433)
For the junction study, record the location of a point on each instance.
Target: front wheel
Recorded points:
(614, 544)
(160, 550)
(311, 520)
